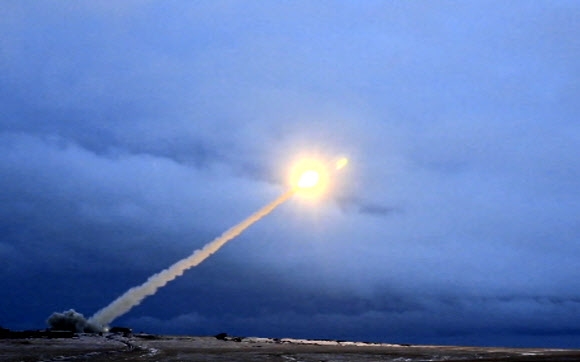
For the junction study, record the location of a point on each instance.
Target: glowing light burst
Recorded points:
(308, 179)
(309, 176)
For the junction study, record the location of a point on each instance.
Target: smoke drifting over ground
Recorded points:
(72, 321)
(135, 295)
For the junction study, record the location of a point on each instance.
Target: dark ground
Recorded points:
(176, 348)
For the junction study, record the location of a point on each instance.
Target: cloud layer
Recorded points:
(132, 134)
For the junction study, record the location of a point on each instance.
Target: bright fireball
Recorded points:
(308, 179)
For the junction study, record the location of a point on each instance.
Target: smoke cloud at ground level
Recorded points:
(72, 321)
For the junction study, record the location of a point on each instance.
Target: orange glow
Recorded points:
(309, 177)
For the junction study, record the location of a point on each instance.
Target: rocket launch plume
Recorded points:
(135, 295)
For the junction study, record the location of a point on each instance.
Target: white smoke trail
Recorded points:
(135, 295)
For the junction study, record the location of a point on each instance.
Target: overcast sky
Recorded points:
(134, 132)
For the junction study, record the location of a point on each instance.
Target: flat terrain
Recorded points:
(113, 347)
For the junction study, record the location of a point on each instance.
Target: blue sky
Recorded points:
(134, 132)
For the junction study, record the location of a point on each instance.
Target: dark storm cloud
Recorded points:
(433, 318)
(350, 204)
(133, 133)
(374, 209)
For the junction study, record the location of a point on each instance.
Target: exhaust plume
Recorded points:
(135, 295)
